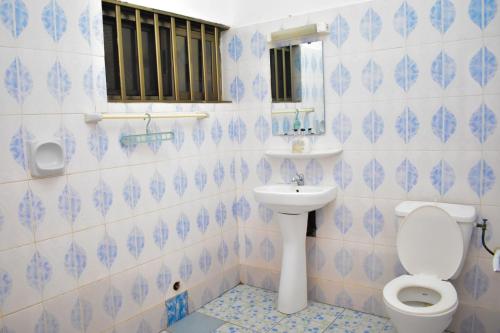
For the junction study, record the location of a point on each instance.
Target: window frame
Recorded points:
(177, 25)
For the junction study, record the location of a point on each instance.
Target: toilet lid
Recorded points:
(430, 242)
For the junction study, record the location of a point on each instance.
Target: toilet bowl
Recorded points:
(432, 243)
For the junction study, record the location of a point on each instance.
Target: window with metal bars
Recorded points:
(152, 55)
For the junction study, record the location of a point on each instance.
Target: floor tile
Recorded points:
(231, 328)
(196, 323)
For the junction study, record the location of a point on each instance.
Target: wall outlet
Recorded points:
(177, 308)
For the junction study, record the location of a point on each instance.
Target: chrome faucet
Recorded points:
(298, 179)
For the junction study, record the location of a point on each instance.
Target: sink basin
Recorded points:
(292, 204)
(293, 199)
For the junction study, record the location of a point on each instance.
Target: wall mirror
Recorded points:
(297, 89)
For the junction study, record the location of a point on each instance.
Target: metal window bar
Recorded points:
(157, 22)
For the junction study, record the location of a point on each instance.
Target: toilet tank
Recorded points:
(464, 215)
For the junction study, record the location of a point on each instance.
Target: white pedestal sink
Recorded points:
(292, 203)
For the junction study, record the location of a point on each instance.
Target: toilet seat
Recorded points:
(447, 302)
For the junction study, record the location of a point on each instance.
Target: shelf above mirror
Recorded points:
(320, 153)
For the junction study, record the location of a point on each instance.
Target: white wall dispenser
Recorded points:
(46, 158)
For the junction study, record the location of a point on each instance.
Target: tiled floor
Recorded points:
(246, 309)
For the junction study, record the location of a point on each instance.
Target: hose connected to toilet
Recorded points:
(483, 232)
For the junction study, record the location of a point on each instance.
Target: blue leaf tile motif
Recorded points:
(248, 246)
(406, 175)
(81, 315)
(84, 24)
(265, 214)
(258, 44)
(405, 19)
(14, 16)
(157, 186)
(2, 220)
(180, 182)
(243, 208)
(373, 126)
(373, 267)
(101, 84)
(237, 89)
(370, 25)
(268, 283)
(68, 142)
(244, 170)
(442, 15)
(69, 204)
(144, 327)
(18, 81)
(112, 302)
(443, 70)
(185, 269)
(316, 257)
(472, 324)
(483, 123)
(342, 127)
(483, 66)
(442, 177)
(198, 134)
(340, 79)
(75, 260)
(339, 31)
(203, 220)
(373, 221)
(481, 178)
(216, 132)
(235, 48)
(262, 129)
(314, 172)
(128, 148)
(372, 76)
(342, 218)
(107, 251)
(264, 171)
(222, 252)
(5, 286)
(232, 169)
(17, 147)
(343, 262)
(97, 28)
(476, 282)
(58, 82)
(102, 198)
(406, 73)
(373, 174)
(131, 192)
(135, 242)
(286, 125)
(163, 279)
(220, 214)
(287, 170)
(200, 178)
(160, 234)
(183, 227)
(31, 211)
(205, 261)
(342, 174)
(267, 250)
(47, 323)
(140, 290)
(237, 130)
(218, 173)
(178, 139)
(482, 12)
(54, 20)
(259, 87)
(38, 271)
(407, 125)
(444, 124)
(97, 142)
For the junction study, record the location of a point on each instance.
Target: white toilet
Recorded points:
(432, 244)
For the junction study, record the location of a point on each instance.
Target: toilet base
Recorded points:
(407, 323)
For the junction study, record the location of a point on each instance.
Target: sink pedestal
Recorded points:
(292, 296)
